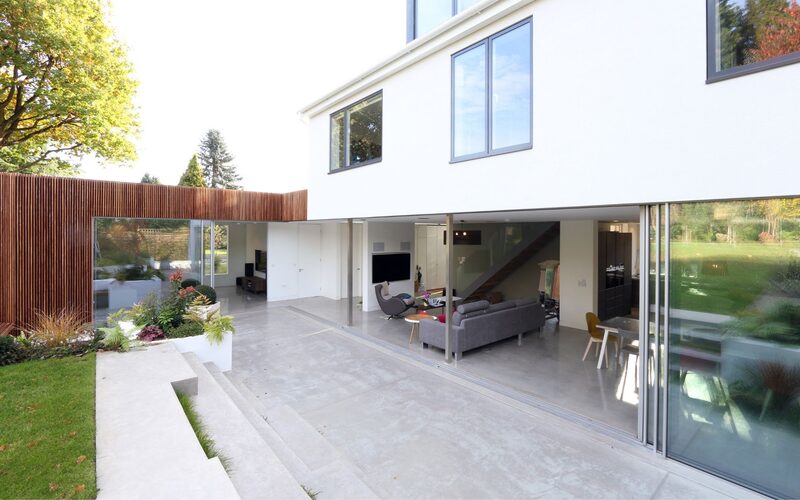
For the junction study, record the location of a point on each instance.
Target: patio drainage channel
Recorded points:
(489, 388)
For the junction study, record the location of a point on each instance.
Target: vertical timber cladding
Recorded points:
(46, 231)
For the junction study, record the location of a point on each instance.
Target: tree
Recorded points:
(192, 176)
(149, 179)
(780, 35)
(215, 159)
(65, 87)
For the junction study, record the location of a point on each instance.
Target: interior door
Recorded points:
(309, 264)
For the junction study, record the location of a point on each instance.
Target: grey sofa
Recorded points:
(479, 323)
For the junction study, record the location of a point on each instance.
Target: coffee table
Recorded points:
(414, 319)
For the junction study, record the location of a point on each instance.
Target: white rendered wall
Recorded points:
(578, 269)
(391, 234)
(622, 114)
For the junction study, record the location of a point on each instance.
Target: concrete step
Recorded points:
(321, 466)
(140, 421)
(255, 470)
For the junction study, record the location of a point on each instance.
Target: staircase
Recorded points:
(272, 450)
(518, 256)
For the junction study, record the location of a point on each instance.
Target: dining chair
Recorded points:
(596, 337)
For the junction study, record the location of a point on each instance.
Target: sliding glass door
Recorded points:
(724, 367)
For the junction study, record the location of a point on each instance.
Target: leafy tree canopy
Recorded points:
(216, 161)
(192, 176)
(149, 179)
(65, 87)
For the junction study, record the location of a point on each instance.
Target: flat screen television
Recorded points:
(261, 261)
(391, 267)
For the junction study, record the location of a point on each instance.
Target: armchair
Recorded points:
(393, 306)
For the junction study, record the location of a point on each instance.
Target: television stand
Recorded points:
(252, 284)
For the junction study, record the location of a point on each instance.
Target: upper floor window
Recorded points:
(491, 94)
(356, 133)
(425, 15)
(745, 36)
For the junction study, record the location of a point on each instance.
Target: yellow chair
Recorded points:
(596, 336)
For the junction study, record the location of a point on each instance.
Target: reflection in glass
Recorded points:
(133, 257)
(753, 31)
(469, 102)
(366, 119)
(462, 5)
(734, 340)
(221, 233)
(337, 140)
(511, 88)
(432, 13)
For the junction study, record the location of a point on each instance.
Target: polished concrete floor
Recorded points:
(546, 366)
(412, 431)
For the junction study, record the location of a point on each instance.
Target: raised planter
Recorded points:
(204, 311)
(219, 354)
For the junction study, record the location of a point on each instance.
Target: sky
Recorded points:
(244, 67)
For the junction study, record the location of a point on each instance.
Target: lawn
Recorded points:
(47, 436)
(723, 278)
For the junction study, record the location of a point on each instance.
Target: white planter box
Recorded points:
(204, 311)
(219, 354)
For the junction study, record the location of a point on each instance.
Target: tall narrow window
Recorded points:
(511, 88)
(469, 102)
(357, 134)
(492, 83)
(745, 37)
(431, 13)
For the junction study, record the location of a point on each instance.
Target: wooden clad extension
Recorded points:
(46, 231)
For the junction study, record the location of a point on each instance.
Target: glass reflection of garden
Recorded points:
(734, 355)
(134, 257)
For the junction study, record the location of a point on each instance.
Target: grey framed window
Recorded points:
(425, 15)
(357, 134)
(745, 37)
(492, 95)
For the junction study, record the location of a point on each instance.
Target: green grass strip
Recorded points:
(206, 442)
(47, 429)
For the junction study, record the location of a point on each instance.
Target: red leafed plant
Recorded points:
(781, 36)
(185, 292)
(151, 333)
(176, 277)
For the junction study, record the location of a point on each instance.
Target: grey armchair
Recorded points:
(393, 306)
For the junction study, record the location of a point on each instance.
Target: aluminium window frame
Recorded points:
(712, 48)
(346, 125)
(489, 150)
(411, 17)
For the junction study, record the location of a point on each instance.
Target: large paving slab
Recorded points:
(413, 433)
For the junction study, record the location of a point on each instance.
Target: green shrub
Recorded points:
(188, 329)
(217, 326)
(145, 312)
(209, 292)
(10, 351)
(189, 282)
(115, 338)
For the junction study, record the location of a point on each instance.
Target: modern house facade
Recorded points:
(674, 126)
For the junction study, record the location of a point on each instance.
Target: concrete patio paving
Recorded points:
(410, 430)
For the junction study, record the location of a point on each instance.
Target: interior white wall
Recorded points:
(648, 128)
(331, 259)
(358, 230)
(281, 261)
(391, 234)
(256, 234)
(578, 272)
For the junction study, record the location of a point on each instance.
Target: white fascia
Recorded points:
(456, 28)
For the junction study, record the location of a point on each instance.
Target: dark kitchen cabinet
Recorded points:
(614, 274)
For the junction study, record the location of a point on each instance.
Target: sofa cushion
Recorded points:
(458, 317)
(480, 305)
(525, 302)
(502, 306)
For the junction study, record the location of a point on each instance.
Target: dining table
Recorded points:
(625, 328)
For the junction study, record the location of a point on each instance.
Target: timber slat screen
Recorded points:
(46, 231)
